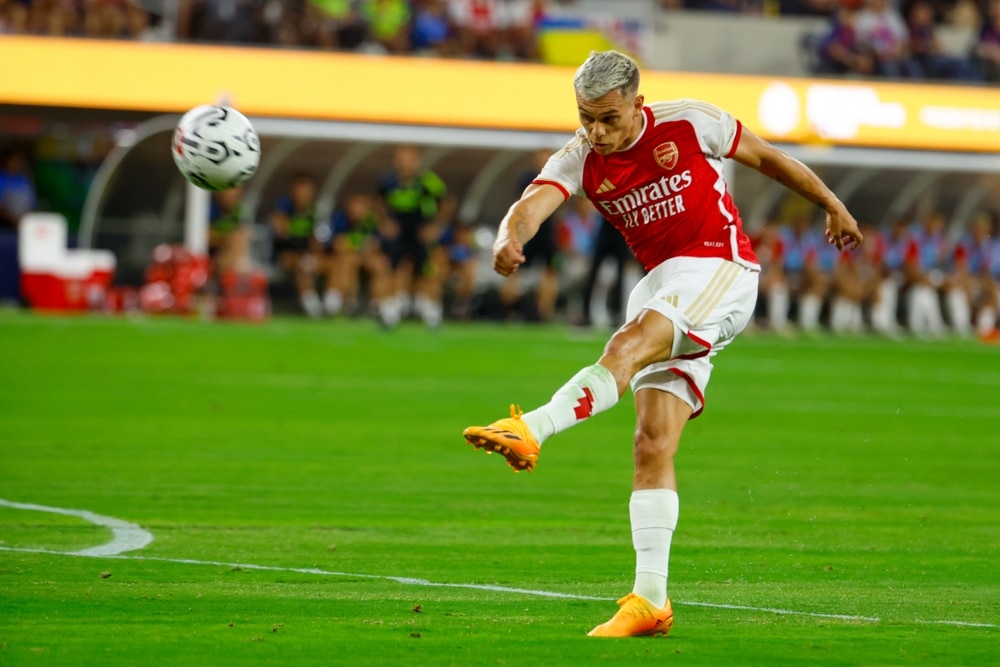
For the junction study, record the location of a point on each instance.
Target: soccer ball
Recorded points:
(215, 147)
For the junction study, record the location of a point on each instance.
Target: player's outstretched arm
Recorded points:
(841, 227)
(521, 223)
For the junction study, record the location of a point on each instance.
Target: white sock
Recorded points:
(433, 314)
(653, 513)
(809, 309)
(925, 312)
(959, 311)
(590, 391)
(986, 320)
(333, 301)
(405, 305)
(857, 318)
(311, 304)
(884, 310)
(840, 315)
(420, 304)
(777, 307)
(389, 310)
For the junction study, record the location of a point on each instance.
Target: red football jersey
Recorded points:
(666, 192)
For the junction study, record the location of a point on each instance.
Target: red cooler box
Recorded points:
(54, 277)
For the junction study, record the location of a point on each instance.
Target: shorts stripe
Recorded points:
(710, 297)
(733, 274)
(708, 286)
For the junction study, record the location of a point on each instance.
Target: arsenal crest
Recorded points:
(666, 155)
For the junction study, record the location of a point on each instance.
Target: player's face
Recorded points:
(612, 122)
(407, 161)
(304, 192)
(229, 199)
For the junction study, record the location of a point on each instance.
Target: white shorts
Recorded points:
(709, 301)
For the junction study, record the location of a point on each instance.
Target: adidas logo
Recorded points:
(606, 186)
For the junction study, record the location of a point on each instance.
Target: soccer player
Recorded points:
(656, 172)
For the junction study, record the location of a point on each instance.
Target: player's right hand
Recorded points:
(507, 256)
(842, 229)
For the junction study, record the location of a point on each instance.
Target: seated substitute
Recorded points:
(296, 248)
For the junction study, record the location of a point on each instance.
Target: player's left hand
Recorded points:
(842, 229)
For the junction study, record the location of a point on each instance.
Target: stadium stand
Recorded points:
(874, 291)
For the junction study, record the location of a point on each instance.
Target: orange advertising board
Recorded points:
(403, 90)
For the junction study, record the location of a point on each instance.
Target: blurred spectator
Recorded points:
(578, 228)
(229, 232)
(542, 261)
(881, 29)
(808, 7)
(579, 225)
(972, 277)
(774, 289)
(962, 283)
(51, 17)
(849, 290)
(986, 52)
(965, 15)
(478, 26)
(889, 255)
(927, 50)
(739, 6)
(982, 249)
(432, 31)
(296, 248)
(222, 21)
(839, 51)
(138, 23)
(610, 245)
(356, 256)
(415, 211)
(332, 24)
(924, 270)
(459, 244)
(14, 17)
(804, 251)
(502, 29)
(104, 19)
(17, 191)
(388, 23)
(518, 21)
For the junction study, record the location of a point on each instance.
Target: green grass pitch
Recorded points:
(827, 478)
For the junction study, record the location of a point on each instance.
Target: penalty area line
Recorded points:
(414, 581)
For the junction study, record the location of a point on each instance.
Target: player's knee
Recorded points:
(653, 445)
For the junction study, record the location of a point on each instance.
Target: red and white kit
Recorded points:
(667, 195)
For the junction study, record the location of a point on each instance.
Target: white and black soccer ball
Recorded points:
(215, 147)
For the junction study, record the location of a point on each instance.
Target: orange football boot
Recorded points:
(636, 617)
(509, 437)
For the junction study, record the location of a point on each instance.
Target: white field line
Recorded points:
(116, 553)
(127, 536)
